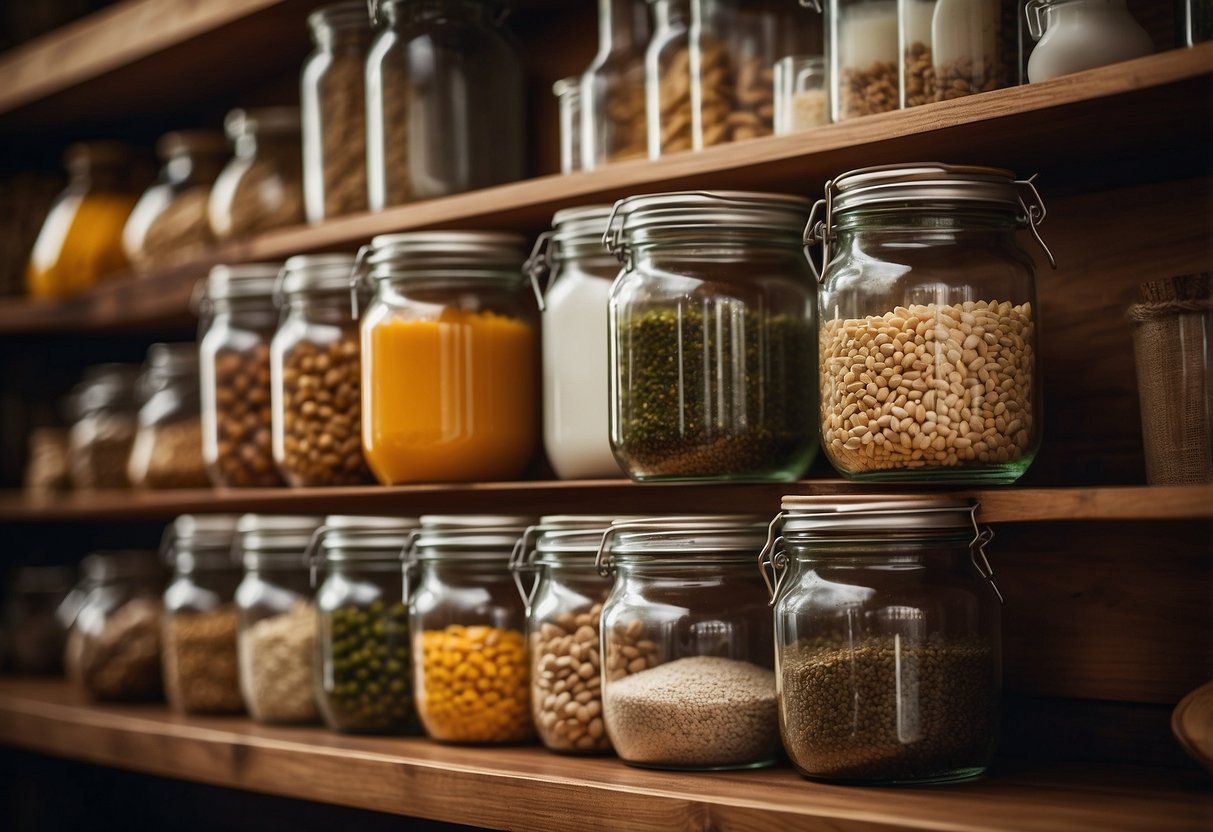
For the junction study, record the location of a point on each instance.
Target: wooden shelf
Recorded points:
(1010, 505)
(527, 788)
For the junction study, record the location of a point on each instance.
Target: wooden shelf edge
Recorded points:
(527, 788)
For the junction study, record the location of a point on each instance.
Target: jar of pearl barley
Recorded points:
(928, 323)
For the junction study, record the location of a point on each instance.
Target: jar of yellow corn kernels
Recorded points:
(470, 673)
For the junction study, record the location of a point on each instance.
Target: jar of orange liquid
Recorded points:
(449, 358)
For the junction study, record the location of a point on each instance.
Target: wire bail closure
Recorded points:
(539, 264)
(357, 273)
(522, 562)
(773, 560)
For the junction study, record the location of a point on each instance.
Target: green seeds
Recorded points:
(365, 683)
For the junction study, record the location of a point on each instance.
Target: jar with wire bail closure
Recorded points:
(887, 637)
(928, 323)
(711, 337)
(449, 358)
(687, 644)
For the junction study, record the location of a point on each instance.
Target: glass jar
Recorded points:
(450, 359)
(887, 639)
(928, 324)
(445, 106)
(1193, 22)
(667, 78)
(800, 94)
(261, 187)
(333, 111)
(167, 450)
(568, 106)
(100, 440)
(276, 626)
(364, 684)
(113, 642)
(576, 434)
(954, 48)
(80, 243)
(238, 324)
(316, 375)
(169, 222)
(612, 88)
(554, 567)
(35, 636)
(861, 50)
(1073, 35)
(201, 666)
(470, 673)
(46, 462)
(687, 644)
(711, 337)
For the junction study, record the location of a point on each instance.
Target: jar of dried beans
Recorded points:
(316, 375)
(612, 88)
(928, 324)
(167, 451)
(687, 654)
(954, 48)
(667, 78)
(262, 186)
(887, 638)
(711, 337)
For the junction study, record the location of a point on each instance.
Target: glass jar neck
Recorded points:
(951, 544)
(325, 307)
(333, 35)
(622, 26)
(1067, 11)
(671, 14)
(589, 256)
(926, 219)
(185, 165)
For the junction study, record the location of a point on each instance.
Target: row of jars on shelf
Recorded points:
(651, 637)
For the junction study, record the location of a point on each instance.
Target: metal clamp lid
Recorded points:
(539, 265)
(709, 524)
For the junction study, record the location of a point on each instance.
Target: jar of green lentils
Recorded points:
(364, 673)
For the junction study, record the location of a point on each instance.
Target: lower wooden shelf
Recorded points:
(528, 788)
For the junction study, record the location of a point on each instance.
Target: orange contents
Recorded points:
(449, 400)
(80, 243)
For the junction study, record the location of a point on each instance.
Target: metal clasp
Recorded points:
(540, 263)
(773, 560)
(310, 554)
(815, 5)
(408, 563)
(1034, 212)
(356, 274)
(820, 230)
(977, 551)
(1032, 10)
(522, 562)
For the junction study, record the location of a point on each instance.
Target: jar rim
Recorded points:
(349, 15)
(636, 217)
(920, 184)
(349, 537)
(317, 273)
(476, 255)
(686, 535)
(874, 514)
(261, 120)
(200, 142)
(245, 280)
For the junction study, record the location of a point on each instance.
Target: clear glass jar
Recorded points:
(554, 567)
(711, 337)
(35, 637)
(612, 87)
(568, 106)
(262, 186)
(1073, 35)
(470, 672)
(445, 106)
(315, 370)
(167, 450)
(687, 644)
(954, 48)
(1193, 22)
(927, 330)
(861, 50)
(800, 94)
(113, 642)
(887, 639)
(169, 222)
(450, 359)
(576, 433)
(99, 443)
(238, 324)
(667, 78)
(201, 666)
(333, 111)
(365, 682)
(276, 627)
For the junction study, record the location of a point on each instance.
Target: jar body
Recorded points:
(114, 643)
(667, 79)
(444, 102)
(259, 189)
(888, 660)
(952, 49)
(99, 445)
(317, 407)
(687, 652)
(861, 46)
(1082, 34)
(801, 102)
(449, 382)
(928, 349)
(711, 360)
(167, 448)
(169, 223)
(201, 668)
(277, 643)
(234, 367)
(612, 88)
(469, 652)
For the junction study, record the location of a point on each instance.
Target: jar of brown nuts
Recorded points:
(239, 319)
(315, 371)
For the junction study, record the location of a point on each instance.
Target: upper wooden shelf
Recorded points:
(1007, 505)
(526, 788)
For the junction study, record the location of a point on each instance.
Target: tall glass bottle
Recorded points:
(612, 88)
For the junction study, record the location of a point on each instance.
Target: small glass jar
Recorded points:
(100, 440)
(470, 671)
(927, 331)
(450, 359)
(169, 222)
(861, 50)
(576, 434)
(167, 451)
(1073, 35)
(333, 111)
(115, 625)
(954, 48)
(800, 94)
(276, 629)
(238, 324)
(316, 375)
(667, 78)
(612, 88)
(887, 638)
(201, 667)
(568, 106)
(711, 331)
(364, 682)
(554, 567)
(35, 636)
(262, 186)
(445, 106)
(687, 644)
